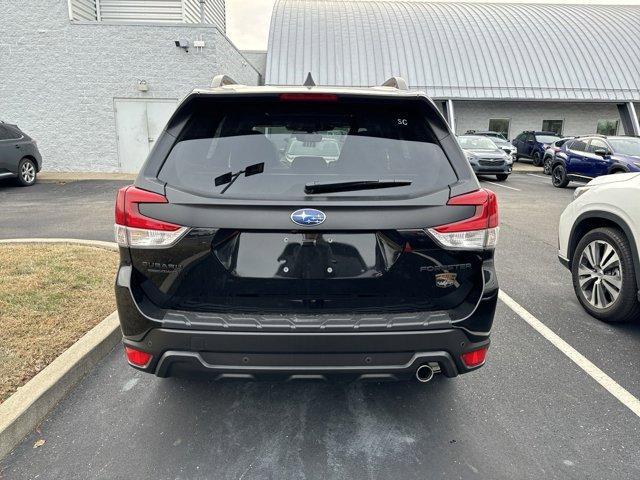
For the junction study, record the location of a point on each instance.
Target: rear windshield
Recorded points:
(306, 142)
(476, 143)
(547, 138)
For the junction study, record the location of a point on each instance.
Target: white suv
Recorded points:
(599, 241)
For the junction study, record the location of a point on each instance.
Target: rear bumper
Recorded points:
(366, 355)
(249, 349)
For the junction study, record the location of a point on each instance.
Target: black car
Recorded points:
(485, 157)
(19, 155)
(240, 262)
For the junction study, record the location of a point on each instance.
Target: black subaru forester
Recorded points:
(299, 232)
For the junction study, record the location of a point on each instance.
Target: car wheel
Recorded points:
(502, 177)
(537, 161)
(27, 172)
(603, 276)
(559, 176)
(546, 165)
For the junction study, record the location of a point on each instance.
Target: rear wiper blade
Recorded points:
(353, 186)
(230, 178)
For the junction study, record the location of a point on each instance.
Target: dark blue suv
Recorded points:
(533, 145)
(585, 158)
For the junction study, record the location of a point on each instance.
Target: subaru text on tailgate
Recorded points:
(374, 264)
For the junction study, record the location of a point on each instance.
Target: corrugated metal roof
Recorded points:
(460, 50)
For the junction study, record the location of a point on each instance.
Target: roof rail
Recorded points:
(222, 80)
(396, 82)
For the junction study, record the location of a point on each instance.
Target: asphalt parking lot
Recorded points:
(64, 209)
(531, 412)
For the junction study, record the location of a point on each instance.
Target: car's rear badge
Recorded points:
(308, 217)
(446, 280)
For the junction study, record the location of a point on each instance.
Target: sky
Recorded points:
(248, 20)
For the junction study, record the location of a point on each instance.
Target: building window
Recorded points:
(500, 125)
(607, 127)
(552, 126)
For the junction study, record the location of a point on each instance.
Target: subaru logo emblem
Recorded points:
(308, 217)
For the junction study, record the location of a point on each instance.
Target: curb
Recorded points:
(71, 241)
(23, 411)
(54, 177)
(521, 167)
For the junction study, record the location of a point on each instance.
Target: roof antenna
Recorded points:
(309, 81)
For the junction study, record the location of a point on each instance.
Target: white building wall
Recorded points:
(69, 74)
(258, 59)
(579, 118)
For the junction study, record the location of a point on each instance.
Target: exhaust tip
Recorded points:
(424, 373)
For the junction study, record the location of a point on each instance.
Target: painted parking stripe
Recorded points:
(546, 177)
(503, 186)
(609, 384)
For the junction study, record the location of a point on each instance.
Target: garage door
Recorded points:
(138, 125)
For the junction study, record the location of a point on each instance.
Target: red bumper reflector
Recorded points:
(137, 357)
(475, 358)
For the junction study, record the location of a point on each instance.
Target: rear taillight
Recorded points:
(137, 358)
(133, 229)
(477, 232)
(475, 358)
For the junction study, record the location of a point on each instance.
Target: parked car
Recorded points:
(499, 139)
(599, 235)
(377, 265)
(550, 154)
(486, 133)
(533, 145)
(585, 158)
(19, 155)
(485, 157)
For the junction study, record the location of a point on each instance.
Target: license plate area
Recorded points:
(306, 255)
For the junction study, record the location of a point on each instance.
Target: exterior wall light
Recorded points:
(182, 43)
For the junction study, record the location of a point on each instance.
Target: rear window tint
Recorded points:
(303, 143)
(8, 133)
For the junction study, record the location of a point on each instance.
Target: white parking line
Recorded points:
(546, 177)
(615, 389)
(503, 186)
